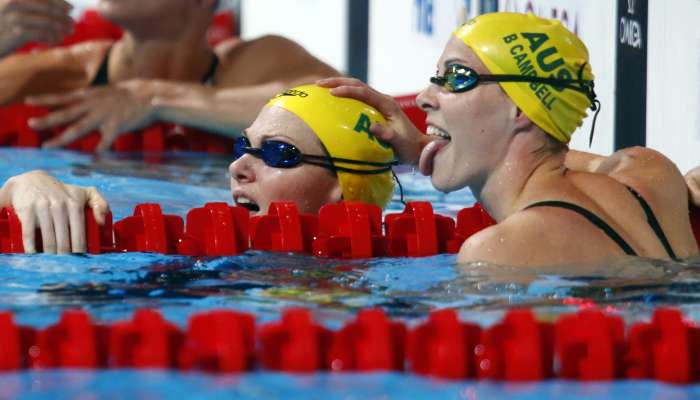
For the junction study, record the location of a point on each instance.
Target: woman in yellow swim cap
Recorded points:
(509, 92)
(312, 148)
(306, 146)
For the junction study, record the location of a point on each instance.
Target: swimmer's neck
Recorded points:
(185, 58)
(523, 177)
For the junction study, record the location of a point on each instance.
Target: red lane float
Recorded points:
(343, 230)
(588, 345)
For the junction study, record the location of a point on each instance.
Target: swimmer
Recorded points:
(161, 70)
(305, 146)
(27, 21)
(509, 92)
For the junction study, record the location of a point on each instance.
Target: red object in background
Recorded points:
(590, 345)
(216, 229)
(283, 229)
(665, 349)
(413, 112)
(148, 230)
(349, 230)
(695, 222)
(15, 130)
(147, 341)
(443, 346)
(294, 344)
(93, 26)
(418, 232)
(223, 26)
(369, 343)
(219, 341)
(517, 349)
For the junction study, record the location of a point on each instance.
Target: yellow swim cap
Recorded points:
(342, 125)
(519, 44)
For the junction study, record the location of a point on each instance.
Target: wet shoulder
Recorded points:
(531, 237)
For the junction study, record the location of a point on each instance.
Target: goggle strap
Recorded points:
(336, 168)
(565, 83)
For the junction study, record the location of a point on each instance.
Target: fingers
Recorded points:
(59, 212)
(57, 99)
(109, 134)
(50, 7)
(45, 219)
(74, 132)
(59, 118)
(98, 204)
(28, 219)
(76, 217)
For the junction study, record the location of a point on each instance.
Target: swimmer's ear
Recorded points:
(522, 121)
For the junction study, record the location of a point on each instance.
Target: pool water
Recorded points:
(110, 287)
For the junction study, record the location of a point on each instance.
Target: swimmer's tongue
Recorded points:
(425, 164)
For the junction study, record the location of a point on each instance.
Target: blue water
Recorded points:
(38, 288)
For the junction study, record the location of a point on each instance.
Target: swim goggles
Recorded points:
(278, 154)
(459, 78)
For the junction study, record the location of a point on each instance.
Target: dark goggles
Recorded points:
(459, 78)
(278, 154)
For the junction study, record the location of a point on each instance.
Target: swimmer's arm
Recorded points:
(250, 75)
(50, 71)
(224, 111)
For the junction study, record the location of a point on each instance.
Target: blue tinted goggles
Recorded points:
(278, 154)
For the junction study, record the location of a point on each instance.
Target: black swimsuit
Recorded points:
(102, 77)
(608, 230)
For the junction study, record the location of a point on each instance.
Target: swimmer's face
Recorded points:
(474, 123)
(255, 185)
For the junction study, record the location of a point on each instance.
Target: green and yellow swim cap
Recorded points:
(520, 44)
(342, 125)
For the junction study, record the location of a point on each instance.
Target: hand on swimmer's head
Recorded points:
(407, 141)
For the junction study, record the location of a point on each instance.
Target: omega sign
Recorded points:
(631, 29)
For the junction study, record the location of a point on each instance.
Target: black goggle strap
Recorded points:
(595, 103)
(330, 163)
(398, 183)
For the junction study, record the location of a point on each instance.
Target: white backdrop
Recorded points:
(673, 88)
(319, 25)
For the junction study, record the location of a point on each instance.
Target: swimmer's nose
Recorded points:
(426, 99)
(241, 169)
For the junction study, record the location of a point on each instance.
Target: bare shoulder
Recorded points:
(638, 162)
(270, 57)
(522, 239)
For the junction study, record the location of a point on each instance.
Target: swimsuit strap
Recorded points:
(594, 219)
(209, 78)
(102, 77)
(654, 223)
